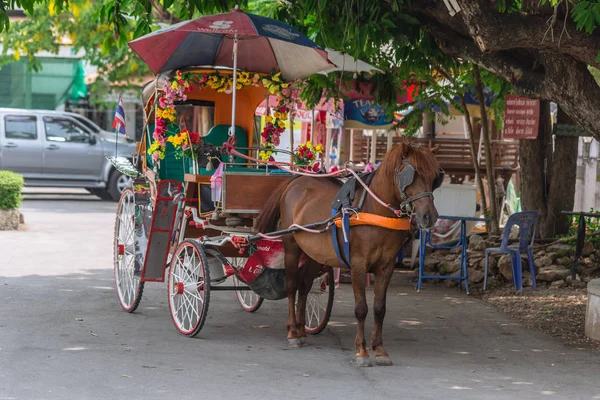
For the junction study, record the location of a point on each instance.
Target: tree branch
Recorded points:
(496, 31)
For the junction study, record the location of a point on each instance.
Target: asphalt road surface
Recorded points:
(63, 334)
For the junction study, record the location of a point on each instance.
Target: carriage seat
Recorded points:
(219, 134)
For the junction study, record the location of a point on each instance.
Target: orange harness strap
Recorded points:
(397, 224)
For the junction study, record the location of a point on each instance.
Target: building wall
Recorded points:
(587, 189)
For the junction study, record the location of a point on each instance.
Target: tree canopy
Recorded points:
(544, 48)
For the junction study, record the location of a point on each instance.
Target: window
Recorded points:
(20, 127)
(88, 124)
(196, 116)
(65, 130)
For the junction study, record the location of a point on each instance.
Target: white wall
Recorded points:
(587, 189)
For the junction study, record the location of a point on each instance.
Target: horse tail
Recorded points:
(268, 219)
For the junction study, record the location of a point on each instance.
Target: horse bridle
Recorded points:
(405, 177)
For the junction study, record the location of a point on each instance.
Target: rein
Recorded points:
(404, 211)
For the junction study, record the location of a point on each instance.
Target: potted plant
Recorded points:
(11, 185)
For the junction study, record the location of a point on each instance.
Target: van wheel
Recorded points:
(117, 184)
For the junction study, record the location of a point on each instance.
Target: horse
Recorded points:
(373, 249)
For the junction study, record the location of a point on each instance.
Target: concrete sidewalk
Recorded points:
(64, 336)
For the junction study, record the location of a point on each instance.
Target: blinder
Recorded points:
(438, 181)
(405, 177)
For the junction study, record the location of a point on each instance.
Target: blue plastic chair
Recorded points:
(526, 221)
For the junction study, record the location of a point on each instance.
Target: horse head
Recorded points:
(416, 174)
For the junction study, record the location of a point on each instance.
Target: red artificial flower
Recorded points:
(316, 167)
(195, 137)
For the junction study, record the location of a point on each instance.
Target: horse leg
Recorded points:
(292, 257)
(382, 280)
(360, 312)
(307, 275)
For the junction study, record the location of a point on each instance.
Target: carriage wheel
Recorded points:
(129, 285)
(189, 288)
(319, 302)
(249, 300)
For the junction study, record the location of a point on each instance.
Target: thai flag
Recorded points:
(119, 121)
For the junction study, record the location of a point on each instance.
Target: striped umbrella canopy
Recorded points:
(265, 45)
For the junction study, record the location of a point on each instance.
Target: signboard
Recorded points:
(365, 114)
(521, 117)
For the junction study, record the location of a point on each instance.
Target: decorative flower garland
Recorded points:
(177, 88)
(288, 94)
(308, 155)
(185, 142)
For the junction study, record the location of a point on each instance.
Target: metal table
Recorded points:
(425, 239)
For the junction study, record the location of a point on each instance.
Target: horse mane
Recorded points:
(420, 157)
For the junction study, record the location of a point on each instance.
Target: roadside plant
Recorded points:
(11, 185)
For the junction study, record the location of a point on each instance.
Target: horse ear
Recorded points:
(435, 149)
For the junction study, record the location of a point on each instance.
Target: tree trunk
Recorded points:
(474, 159)
(561, 195)
(547, 176)
(489, 159)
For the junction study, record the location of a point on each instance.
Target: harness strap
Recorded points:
(343, 203)
(397, 224)
(409, 200)
(345, 259)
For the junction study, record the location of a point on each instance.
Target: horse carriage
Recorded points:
(210, 206)
(172, 225)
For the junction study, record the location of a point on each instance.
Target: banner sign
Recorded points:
(521, 117)
(365, 114)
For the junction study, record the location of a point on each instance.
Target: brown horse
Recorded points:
(373, 249)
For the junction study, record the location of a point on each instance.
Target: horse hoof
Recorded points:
(303, 341)
(383, 361)
(363, 362)
(295, 343)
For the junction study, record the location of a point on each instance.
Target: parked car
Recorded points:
(62, 149)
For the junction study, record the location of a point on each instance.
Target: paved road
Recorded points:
(64, 336)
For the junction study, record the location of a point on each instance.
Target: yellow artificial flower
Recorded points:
(268, 119)
(277, 115)
(266, 83)
(319, 148)
(276, 77)
(284, 85)
(274, 89)
(281, 123)
(284, 116)
(174, 84)
(17, 55)
(309, 144)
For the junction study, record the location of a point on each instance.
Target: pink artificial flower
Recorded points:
(285, 92)
(155, 157)
(369, 168)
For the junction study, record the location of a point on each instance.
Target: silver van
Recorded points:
(62, 149)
